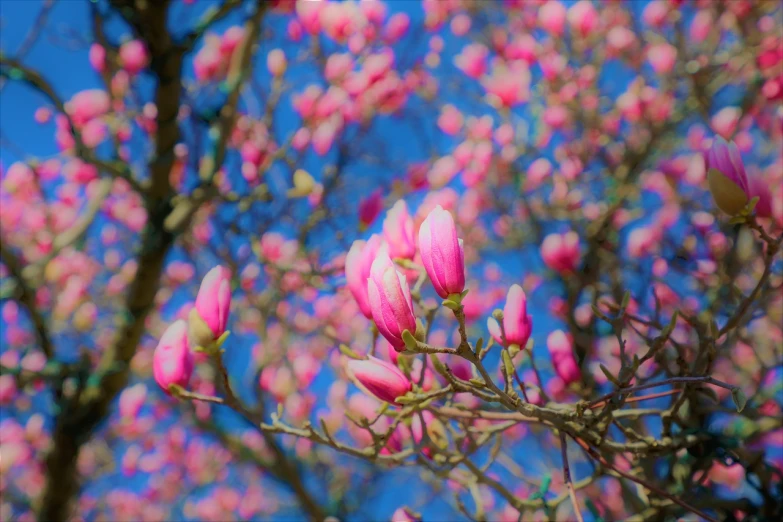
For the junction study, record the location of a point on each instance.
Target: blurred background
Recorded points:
(142, 143)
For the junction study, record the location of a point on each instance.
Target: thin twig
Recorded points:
(567, 477)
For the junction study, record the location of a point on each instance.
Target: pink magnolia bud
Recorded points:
(379, 378)
(213, 303)
(398, 232)
(133, 56)
(442, 253)
(390, 301)
(561, 251)
(562, 353)
(726, 176)
(357, 270)
(172, 362)
(516, 323)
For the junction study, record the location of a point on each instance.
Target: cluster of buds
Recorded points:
(205, 330)
(383, 294)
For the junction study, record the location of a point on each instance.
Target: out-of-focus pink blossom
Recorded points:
(369, 208)
(582, 17)
(276, 62)
(133, 56)
(561, 351)
(131, 400)
(552, 17)
(97, 57)
(662, 57)
(561, 252)
(398, 232)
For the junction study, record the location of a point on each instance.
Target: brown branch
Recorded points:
(77, 420)
(26, 296)
(655, 489)
(282, 467)
(567, 477)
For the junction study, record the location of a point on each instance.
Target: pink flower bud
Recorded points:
(516, 323)
(398, 232)
(379, 378)
(442, 253)
(213, 301)
(726, 176)
(562, 353)
(172, 362)
(133, 56)
(561, 251)
(357, 270)
(390, 301)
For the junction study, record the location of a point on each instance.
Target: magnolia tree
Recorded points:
(495, 260)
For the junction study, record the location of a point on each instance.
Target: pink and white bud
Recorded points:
(398, 232)
(358, 263)
(516, 323)
(213, 301)
(442, 253)
(390, 301)
(172, 361)
(379, 378)
(561, 252)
